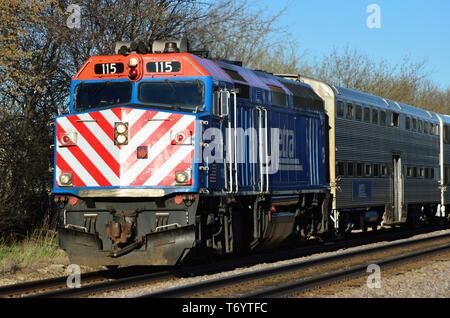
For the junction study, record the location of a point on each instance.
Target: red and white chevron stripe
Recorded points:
(95, 161)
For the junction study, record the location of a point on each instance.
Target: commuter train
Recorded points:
(166, 153)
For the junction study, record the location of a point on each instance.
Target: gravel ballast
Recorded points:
(140, 290)
(425, 278)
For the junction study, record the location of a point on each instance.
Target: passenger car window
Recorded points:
(375, 116)
(421, 173)
(420, 126)
(359, 170)
(340, 169)
(350, 169)
(395, 120)
(409, 172)
(349, 111)
(340, 109)
(383, 118)
(408, 123)
(446, 134)
(426, 127)
(358, 113)
(384, 171)
(367, 115)
(376, 170)
(368, 170)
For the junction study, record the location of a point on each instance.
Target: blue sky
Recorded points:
(419, 29)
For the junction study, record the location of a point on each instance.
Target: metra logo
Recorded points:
(287, 144)
(288, 159)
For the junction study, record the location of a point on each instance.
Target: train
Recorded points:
(166, 153)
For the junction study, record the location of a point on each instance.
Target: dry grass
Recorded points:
(40, 247)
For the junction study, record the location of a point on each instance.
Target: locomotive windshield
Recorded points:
(96, 95)
(181, 94)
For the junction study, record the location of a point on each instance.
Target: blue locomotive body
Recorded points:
(275, 141)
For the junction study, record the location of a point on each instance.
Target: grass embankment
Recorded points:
(40, 247)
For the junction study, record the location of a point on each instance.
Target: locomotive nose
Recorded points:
(110, 150)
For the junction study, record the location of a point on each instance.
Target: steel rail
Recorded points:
(60, 283)
(318, 281)
(106, 286)
(32, 286)
(214, 284)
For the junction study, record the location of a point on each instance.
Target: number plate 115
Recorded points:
(163, 67)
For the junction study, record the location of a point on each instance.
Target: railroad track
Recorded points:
(59, 284)
(105, 281)
(26, 288)
(304, 285)
(285, 280)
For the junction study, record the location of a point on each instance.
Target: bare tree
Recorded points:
(238, 30)
(30, 88)
(407, 82)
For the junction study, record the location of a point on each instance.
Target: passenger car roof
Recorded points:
(383, 103)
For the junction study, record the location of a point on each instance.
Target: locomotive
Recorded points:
(166, 153)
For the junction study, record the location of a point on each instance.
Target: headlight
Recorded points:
(121, 133)
(181, 177)
(133, 62)
(66, 179)
(121, 139)
(68, 139)
(121, 128)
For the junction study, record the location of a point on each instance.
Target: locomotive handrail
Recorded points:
(161, 119)
(230, 146)
(87, 121)
(230, 176)
(266, 149)
(234, 93)
(259, 109)
(263, 150)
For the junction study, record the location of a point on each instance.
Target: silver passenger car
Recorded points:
(389, 162)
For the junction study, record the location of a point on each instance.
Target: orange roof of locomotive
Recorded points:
(191, 66)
